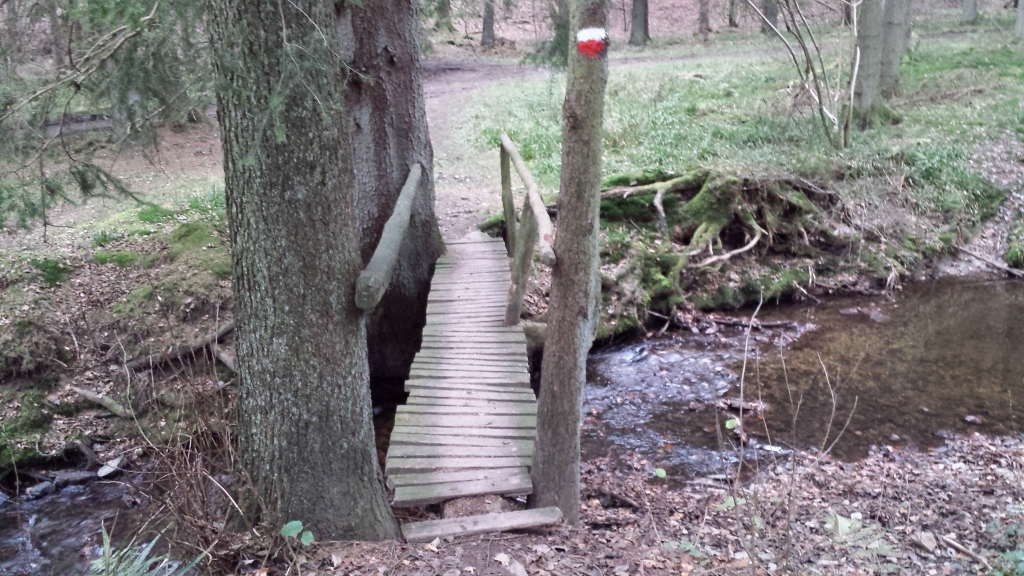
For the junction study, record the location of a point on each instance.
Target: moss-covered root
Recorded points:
(710, 211)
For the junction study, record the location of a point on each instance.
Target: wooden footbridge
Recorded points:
(468, 426)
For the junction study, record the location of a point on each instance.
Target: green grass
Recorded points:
(54, 272)
(124, 259)
(155, 214)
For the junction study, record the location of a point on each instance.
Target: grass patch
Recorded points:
(155, 214)
(124, 259)
(104, 237)
(213, 202)
(201, 244)
(53, 271)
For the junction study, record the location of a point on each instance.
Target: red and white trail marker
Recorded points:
(592, 42)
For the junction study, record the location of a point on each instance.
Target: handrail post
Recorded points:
(521, 265)
(374, 280)
(545, 230)
(507, 202)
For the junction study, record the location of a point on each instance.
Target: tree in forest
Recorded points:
(734, 14)
(970, 11)
(703, 20)
(770, 16)
(487, 36)
(443, 16)
(555, 50)
(639, 32)
(1020, 19)
(572, 308)
(882, 28)
(388, 131)
(305, 432)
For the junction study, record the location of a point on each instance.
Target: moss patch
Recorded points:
(155, 214)
(201, 244)
(125, 259)
(53, 271)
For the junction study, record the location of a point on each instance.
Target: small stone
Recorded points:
(41, 489)
(926, 540)
(109, 468)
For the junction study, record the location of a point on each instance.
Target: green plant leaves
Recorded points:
(291, 529)
(660, 472)
(307, 538)
(731, 423)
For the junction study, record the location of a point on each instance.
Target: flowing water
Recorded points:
(944, 356)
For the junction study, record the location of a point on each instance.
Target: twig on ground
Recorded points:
(964, 550)
(113, 406)
(150, 361)
(994, 264)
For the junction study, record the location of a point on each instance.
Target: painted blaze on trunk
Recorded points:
(574, 285)
(304, 418)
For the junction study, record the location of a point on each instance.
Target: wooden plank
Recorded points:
(478, 410)
(466, 421)
(457, 451)
(405, 465)
(483, 369)
(447, 440)
(482, 524)
(492, 337)
(421, 495)
(518, 347)
(426, 478)
(470, 376)
(414, 386)
(471, 359)
(506, 395)
(517, 354)
(513, 433)
(417, 400)
(473, 330)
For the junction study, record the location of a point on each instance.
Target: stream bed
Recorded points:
(942, 356)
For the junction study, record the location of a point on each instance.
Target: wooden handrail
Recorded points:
(534, 228)
(374, 280)
(545, 231)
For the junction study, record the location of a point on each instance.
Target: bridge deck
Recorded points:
(468, 426)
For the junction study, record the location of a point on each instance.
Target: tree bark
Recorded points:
(639, 31)
(970, 11)
(443, 20)
(487, 37)
(895, 44)
(1020, 19)
(57, 35)
(703, 22)
(770, 9)
(847, 17)
(572, 315)
(388, 129)
(734, 14)
(305, 434)
(870, 42)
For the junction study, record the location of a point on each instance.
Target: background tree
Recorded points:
(870, 25)
(734, 14)
(1020, 19)
(487, 37)
(703, 22)
(770, 12)
(896, 31)
(970, 11)
(639, 32)
(443, 19)
(572, 308)
(305, 432)
(388, 128)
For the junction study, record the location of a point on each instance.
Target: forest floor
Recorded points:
(109, 280)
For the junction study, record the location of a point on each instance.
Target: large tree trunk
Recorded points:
(970, 11)
(572, 312)
(305, 434)
(1020, 19)
(770, 9)
(734, 14)
(866, 99)
(639, 32)
(487, 37)
(388, 128)
(897, 23)
(444, 16)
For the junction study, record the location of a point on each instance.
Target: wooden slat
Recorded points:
(520, 433)
(419, 400)
(481, 369)
(516, 353)
(471, 377)
(506, 394)
(510, 408)
(490, 339)
(466, 421)
(405, 465)
(472, 525)
(457, 451)
(435, 384)
(401, 438)
(426, 478)
(429, 494)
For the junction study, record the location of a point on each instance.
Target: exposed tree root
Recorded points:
(151, 361)
(113, 406)
(727, 255)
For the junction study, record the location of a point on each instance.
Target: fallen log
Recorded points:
(151, 361)
(112, 406)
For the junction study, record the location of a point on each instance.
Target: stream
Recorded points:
(942, 356)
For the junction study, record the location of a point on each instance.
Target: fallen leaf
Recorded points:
(502, 559)
(336, 560)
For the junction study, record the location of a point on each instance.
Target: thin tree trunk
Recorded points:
(572, 316)
(639, 32)
(734, 14)
(388, 129)
(444, 16)
(558, 49)
(487, 37)
(894, 37)
(703, 23)
(1020, 19)
(847, 18)
(306, 438)
(770, 9)
(870, 42)
(57, 35)
(970, 11)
